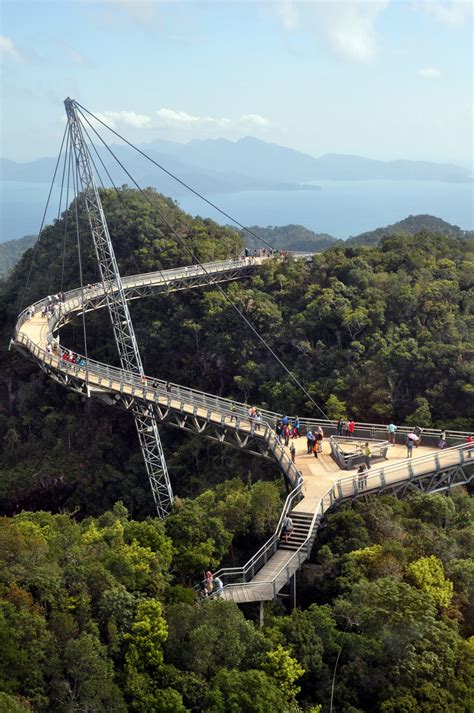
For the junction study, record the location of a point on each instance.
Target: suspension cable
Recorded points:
(119, 195)
(175, 178)
(53, 262)
(66, 216)
(76, 183)
(25, 289)
(227, 298)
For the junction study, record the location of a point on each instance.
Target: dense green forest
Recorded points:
(94, 615)
(97, 611)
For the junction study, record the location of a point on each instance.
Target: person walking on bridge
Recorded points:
(391, 428)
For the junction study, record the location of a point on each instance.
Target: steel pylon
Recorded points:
(124, 332)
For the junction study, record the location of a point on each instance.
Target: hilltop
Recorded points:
(409, 226)
(295, 238)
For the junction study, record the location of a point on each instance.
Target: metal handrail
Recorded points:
(336, 494)
(164, 277)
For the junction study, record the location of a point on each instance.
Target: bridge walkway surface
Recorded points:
(317, 485)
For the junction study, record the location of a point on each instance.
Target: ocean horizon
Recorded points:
(341, 208)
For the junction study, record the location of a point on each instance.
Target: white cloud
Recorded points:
(349, 26)
(287, 12)
(449, 12)
(124, 118)
(172, 117)
(430, 72)
(9, 49)
(142, 12)
(254, 119)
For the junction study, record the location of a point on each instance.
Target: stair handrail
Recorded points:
(333, 496)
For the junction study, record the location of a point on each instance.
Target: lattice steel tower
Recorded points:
(124, 333)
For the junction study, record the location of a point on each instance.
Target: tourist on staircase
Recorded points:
(287, 528)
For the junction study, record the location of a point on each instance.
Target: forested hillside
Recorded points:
(12, 250)
(94, 615)
(410, 226)
(96, 609)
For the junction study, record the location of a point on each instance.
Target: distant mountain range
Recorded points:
(222, 166)
(295, 238)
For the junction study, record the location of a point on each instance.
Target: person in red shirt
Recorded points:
(351, 427)
(470, 441)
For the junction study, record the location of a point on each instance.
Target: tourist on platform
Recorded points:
(470, 442)
(287, 528)
(319, 438)
(209, 582)
(279, 430)
(367, 452)
(339, 427)
(309, 442)
(168, 387)
(293, 451)
(362, 476)
(391, 428)
(294, 432)
(442, 439)
(351, 427)
(218, 587)
(286, 434)
(418, 431)
(315, 448)
(346, 427)
(285, 420)
(258, 420)
(409, 444)
(296, 427)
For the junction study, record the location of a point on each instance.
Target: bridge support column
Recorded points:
(261, 615)
(293, 591)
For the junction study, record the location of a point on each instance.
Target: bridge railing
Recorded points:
(379, 478)
(223, 411)
(363, 430)
(348, 459)
(239, 575)
(349, 487)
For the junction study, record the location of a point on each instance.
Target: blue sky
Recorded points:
(386, 79)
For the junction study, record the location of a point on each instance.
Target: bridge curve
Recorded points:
(316, 486)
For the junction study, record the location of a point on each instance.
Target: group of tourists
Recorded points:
(286, 429)
(212, 586)
(255, 417)
(314, 441)
(345, 427)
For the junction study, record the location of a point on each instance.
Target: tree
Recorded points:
(285, 670)
(428, 575)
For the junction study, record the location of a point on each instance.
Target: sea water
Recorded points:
(340, 208)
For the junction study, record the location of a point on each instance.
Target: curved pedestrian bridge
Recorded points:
(316, 484)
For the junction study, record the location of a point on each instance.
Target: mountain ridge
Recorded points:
(248, 160)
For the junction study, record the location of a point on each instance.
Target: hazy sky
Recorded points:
(386, 79)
